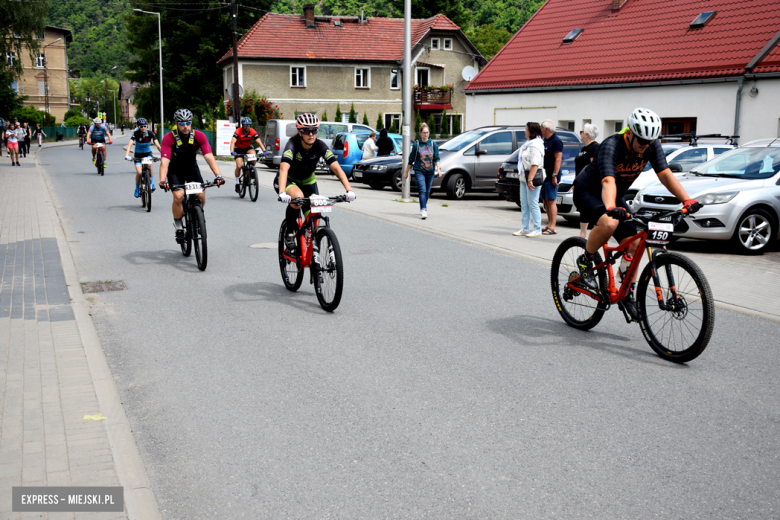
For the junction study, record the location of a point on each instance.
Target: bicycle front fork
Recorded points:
(657, 283)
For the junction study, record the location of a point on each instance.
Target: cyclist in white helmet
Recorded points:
(600, 186)
(97, 133)
(296, 172)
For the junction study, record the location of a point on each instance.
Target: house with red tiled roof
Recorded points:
(709, 66)
(313, 63)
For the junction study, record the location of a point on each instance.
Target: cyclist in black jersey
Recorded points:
(296, 172)
(600, 187)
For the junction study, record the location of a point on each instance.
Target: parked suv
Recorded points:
(508, 184)
(278, 131)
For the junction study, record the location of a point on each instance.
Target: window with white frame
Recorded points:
(423, 75)
(447, 44)
(394, 83)
(40, 61)
(434, 44)
(10, 58)
(362, 78)
(393, 119)
(297, 76)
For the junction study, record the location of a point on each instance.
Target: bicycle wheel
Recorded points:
(99, 163)
(199, 237)
(683, 331)
(292, 275)
(186, 246)
(142, 188)
(244, 178)
(577, 310)
(329, 270)
(148, 188)
(253, 187)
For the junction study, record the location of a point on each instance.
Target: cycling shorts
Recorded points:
(591, 209)
(95, 141)
(184, 176)
(243, 151)
(138, 156)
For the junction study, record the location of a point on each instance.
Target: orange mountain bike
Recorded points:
(676, 313)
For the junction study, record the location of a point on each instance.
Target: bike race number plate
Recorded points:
(251, 158)
(147, 160)
(659, 233)
(100, 145)
(193, 188)
(320, 205)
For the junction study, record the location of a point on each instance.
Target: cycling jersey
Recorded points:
(616, 159)
(244, 140)
(98, 134)
(82, 131)
(182, 150)
(303, 162)
(143, 141)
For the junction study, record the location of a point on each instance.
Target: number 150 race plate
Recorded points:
(659, 233)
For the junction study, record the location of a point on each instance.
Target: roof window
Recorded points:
(337, 23)
(702, 20)
(573, 35)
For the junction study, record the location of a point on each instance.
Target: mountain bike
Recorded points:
(248, 177)
(321, 254)
(194, 222)
(674, 299)
(81, 142)
(100, 158)
(145, 190)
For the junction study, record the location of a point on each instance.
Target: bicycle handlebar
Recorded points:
(303, 200)
(638, 219)
(203, 185)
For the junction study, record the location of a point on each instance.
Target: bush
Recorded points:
(30, 115)
(456, 125)
(352, 114)
(365, 120)
(73, 112)
(379, 125)
(393, 129)
(257, 107)
(338, 113)
(74, 121)
(445, 125)
(432, 125)
(324, 116)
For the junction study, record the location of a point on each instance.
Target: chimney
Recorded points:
(308, 15)
(617, 4)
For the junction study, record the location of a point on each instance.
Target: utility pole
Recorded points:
(46, 74)
(407, 96)
(236, 96)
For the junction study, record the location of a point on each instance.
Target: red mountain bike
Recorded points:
(317, 248)
(676, 314)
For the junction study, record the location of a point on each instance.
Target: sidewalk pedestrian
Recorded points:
(553, 155)
(12, 143)
(531, 159)
(424, 158)
(586, 156)
(384, 144)
(369, 147)
(27, 138)
(40, 134)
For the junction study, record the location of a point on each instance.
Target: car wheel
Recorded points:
(456, 187)
(755, 231)
(519, 204)
(397, 184)
(376, 185)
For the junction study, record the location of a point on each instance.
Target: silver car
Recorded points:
(740, 191)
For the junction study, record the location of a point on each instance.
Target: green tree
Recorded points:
(379, 125)
(445, 125)
(352, 114)
(455, 125)
(324, 116)
(75, 121)
(9, 99)
(365, 119)
(338, 113)
(20, 25)
(432, 125)
(393, 129)
(488, 39)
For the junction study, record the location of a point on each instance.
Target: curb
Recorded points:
(140, 501)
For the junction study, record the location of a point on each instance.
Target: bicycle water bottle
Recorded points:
(624, 263)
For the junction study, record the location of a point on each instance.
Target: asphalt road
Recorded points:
(444, 386)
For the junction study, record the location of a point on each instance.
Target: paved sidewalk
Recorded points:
(52, 368)
(484, 220)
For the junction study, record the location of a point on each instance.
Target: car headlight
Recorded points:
(716, 198)
(378, 167)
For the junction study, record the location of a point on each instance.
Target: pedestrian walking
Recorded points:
(424, 158)
(384, 144)
(40, 134)
(586, 156)
(27, 138)
(532, 160)
(12, 144)
(553, 155)
(369, 147)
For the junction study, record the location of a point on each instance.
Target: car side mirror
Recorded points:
(479, 151)
(676, 167)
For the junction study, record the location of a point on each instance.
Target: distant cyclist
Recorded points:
(296, 171)
(241, 143)
(97, 133)
(179, 163)
(143, 140)
(81, 132)
(601, 185)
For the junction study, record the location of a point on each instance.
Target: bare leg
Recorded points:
(552, 213)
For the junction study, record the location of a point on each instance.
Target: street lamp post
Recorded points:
(46, 74)
(407, 96)
(159, 30)
(114, 106)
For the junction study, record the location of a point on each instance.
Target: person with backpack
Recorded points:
(424, 158)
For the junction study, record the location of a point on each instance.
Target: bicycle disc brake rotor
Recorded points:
(678, 307)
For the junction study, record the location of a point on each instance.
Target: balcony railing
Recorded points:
(433, 97)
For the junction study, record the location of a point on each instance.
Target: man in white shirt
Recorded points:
(369, 147)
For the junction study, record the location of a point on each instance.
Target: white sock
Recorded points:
(238, 179)
(178, 223)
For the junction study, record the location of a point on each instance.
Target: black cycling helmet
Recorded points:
(142, 122)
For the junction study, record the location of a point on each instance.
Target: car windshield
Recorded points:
(463, 140)
(743, 163)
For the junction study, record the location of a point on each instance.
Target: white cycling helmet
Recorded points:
(307, 121)
(645, 124)
(97, 121)
(182, 115)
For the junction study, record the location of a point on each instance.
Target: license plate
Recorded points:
(512, 174)
(559, 200)
(659, 233)
(357, 174)
(193, 188)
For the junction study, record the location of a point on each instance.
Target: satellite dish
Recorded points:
(240, 90)
(468, 73)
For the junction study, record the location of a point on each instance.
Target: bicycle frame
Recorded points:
(308, 246)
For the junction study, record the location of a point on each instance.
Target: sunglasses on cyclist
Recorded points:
(644, 142)
(142, 126)
(185, 123)
(309, 131)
